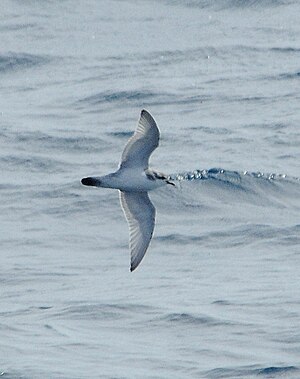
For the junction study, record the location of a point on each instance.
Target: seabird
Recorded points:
(134, 179)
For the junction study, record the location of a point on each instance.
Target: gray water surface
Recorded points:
(217, 294)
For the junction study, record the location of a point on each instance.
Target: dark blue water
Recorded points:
(217, 295)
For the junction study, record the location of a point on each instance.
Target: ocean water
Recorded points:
(218, 292)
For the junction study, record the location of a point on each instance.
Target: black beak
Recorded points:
(89, 181)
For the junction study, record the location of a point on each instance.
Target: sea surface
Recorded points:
(218, 292)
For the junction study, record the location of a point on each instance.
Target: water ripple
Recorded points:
(13, 61)
(254, 371)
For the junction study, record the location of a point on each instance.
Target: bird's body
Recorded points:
(131, 180)
(134, 179)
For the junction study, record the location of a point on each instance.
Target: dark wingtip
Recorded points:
(144, 112)
(133, 267)
(88, 181)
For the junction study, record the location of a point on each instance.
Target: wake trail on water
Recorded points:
(217, 188)
(220, 208)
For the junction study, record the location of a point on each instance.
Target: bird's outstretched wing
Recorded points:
(141, 144)
(140, 215)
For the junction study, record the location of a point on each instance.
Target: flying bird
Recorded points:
(134, 179)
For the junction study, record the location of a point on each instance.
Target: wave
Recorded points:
(133, 98)
(251, 183)
(35, 163)
(97, 311)
(122, 98)
(230, 209)
(228, 4)
(189, 319)
(289, 75)
(230, 176)
(36, 151)
(20, 61)
(254, 371)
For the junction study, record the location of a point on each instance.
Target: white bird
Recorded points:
(134, 179)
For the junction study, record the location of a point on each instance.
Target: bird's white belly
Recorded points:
(131, 181)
